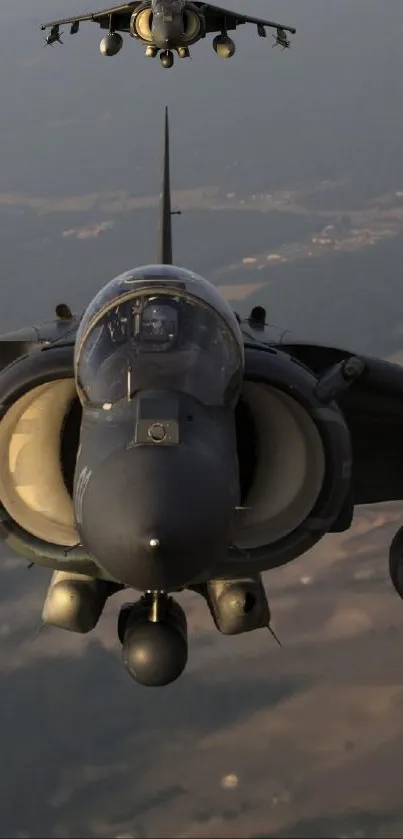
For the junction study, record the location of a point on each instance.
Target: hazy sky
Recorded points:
(75, 122)
(78, 121)
(82, 747)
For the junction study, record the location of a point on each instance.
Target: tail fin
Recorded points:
(164, 251)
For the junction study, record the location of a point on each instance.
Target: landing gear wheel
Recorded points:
(167, 59)
(154, 652)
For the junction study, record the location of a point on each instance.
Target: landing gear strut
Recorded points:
(153, 634)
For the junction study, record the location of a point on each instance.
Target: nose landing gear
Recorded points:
(153, 634)
(153, 631)
(167, 58)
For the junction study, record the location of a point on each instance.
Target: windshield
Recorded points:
(159, 340)
(167, 7)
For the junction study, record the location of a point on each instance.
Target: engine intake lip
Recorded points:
(43, 553)
(141, 24)
(25, 373)
(269, 366)
(142, 15)
(195, 26)
(22, 375)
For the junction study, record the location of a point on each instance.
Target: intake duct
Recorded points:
(141, 24)
(294, 455)
(40, 417)
(295, 463)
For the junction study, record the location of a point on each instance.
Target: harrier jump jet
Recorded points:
(166, 25)
(155, 444)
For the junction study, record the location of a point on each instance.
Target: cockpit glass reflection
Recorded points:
(167, 7)
(159, 341)
(159, 327)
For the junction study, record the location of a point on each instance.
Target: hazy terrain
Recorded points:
(253, 741)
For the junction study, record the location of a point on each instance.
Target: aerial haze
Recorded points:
(269, 151)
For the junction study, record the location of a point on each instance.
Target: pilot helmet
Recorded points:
(159, 325)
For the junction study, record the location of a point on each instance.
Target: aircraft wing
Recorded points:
(373, 409)
(217, 19)
(98, 17)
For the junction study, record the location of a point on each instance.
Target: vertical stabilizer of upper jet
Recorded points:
(164, 252)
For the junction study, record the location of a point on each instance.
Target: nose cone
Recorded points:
(166, 33)
(158, 518)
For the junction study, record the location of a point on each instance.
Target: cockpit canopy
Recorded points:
(158, 328)
(166, 8)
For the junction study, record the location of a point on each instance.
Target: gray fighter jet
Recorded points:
(156, 443)
(167, 25)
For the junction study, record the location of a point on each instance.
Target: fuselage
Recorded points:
(159, 369)
(168, 24)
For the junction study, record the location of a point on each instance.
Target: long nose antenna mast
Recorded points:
(164, 251)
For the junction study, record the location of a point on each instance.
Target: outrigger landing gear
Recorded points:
(167, 58)
(153, 634)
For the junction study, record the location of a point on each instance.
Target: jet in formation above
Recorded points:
(156, 443)
(167, 25)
